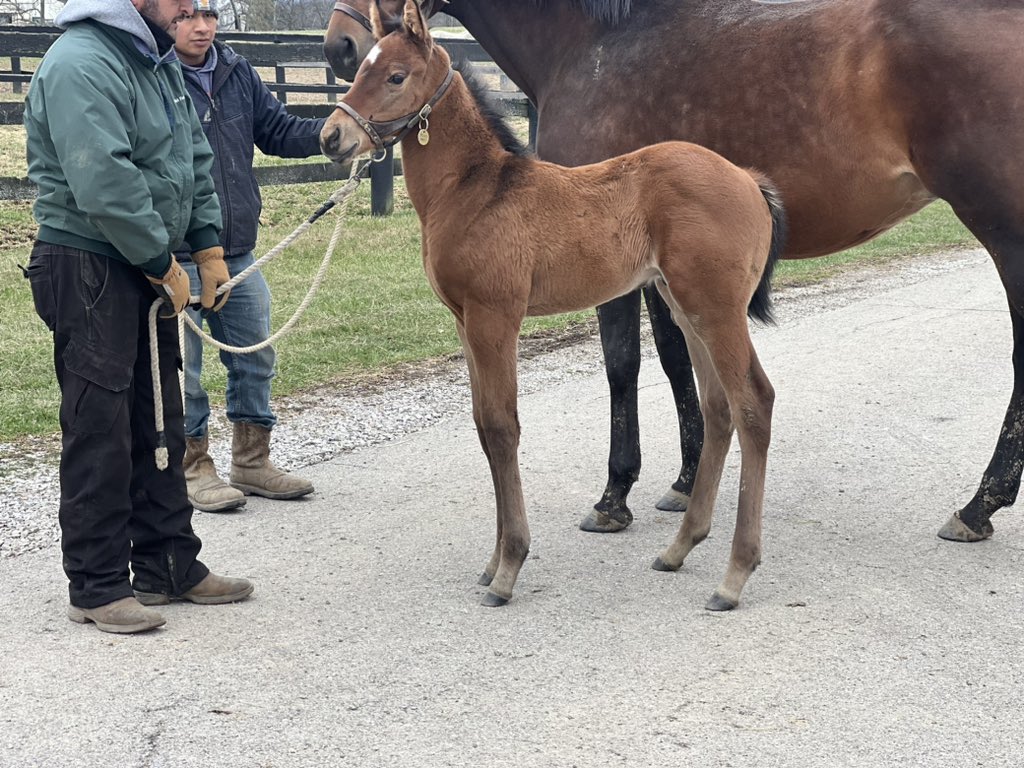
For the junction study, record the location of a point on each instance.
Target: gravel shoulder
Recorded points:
(323, 423)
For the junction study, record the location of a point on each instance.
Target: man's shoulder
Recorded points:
(85, 47)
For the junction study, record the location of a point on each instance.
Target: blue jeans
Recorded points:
(243, 321)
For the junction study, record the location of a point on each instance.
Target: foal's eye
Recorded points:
(397, 79)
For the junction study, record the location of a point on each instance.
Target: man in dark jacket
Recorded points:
(237, 111)
(123, 175)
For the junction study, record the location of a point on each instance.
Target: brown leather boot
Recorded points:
(212, 590)
(206, 491)
(123, 617)
(252, 471)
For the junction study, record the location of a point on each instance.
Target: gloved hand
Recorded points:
(173, 286)
(214, 273)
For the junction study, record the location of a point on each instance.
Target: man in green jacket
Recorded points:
(123, 171)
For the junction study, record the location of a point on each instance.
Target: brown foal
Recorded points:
(505, 236)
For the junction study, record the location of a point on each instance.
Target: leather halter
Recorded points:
(387, 134)
(348, 10)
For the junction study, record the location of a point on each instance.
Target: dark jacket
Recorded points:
(114, 145)
(242, 113)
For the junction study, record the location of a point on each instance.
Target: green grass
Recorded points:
(375, 310)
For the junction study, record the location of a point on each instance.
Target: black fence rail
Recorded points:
(286, 53)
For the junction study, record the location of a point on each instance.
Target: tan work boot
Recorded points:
(252, 471)
(212, 590)
(123, 617)
(206, 491)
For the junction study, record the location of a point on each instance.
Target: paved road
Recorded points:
(862, 641)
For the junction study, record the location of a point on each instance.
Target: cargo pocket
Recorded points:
(96, 393)
(38, 274)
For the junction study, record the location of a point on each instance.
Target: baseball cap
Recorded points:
(205, 6)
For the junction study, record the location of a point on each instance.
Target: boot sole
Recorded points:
(254, 490)
(78, 616)
(222, 507)
(156, 598)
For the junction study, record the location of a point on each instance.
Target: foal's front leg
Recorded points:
(491, 346)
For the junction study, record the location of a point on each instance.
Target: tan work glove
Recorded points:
(173, 287)
(213, 273)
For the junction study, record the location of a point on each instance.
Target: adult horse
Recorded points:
(506, 236)
(861, 111)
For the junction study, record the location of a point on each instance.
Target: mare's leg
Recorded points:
(1001, 481)
(675, 361)
(619, 321)
(491, 342)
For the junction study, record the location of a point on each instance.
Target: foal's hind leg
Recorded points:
(735, 392)
(491, 342)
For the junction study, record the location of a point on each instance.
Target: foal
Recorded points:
(506, 236)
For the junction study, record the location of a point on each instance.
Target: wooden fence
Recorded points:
(286, 53)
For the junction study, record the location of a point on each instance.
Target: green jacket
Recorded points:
(116, 148)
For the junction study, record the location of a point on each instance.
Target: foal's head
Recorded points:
(399, 77)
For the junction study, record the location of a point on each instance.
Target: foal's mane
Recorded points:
(607, 11)
(509, 141)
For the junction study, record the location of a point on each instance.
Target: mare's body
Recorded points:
(861, 111)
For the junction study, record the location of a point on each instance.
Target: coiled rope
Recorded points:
(340, 198)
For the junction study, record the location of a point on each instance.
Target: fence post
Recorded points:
(16, 70)
(382, 185)
(281, 78)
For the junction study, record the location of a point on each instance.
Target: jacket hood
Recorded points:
(119, 14)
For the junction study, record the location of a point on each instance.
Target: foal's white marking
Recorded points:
(373, 54)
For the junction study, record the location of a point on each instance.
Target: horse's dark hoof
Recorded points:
(673, 501)
(599, 521)
(492, 600)
(719, 603)
(956, 529)
(661, 565)
(484, 580)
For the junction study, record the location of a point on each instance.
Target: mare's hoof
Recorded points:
(492, 600)
(599, 521)
(484, 580)
(956, 529)
(661, 565)
(673, 501)
(719, 603)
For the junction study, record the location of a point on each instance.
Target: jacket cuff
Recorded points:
(203, 238)
(157, 267)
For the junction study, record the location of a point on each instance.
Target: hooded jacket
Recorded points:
(114, 143)
(237, 113)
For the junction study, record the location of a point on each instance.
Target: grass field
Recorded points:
(374, 311)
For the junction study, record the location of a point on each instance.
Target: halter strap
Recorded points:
(379, 132)
(348, 10)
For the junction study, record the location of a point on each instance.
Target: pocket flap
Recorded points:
(100, 366)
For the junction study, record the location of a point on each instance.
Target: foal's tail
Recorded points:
(760, 307)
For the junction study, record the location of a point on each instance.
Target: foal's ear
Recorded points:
(376, 22)
(414, 22)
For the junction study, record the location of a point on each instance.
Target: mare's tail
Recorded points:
(760, 307)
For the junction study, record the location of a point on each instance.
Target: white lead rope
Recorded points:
(339, 198)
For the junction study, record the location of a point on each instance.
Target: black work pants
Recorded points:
(116, 507)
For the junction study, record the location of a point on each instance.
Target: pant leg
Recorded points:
(245, 321)
(94, 305)
(197, 401)
(164, 546)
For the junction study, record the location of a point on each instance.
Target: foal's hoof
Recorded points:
(485, 579)
(661, 565)
(492, 600)
(719, 603)
(956, 529)
(673, 501)
(599, 521)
